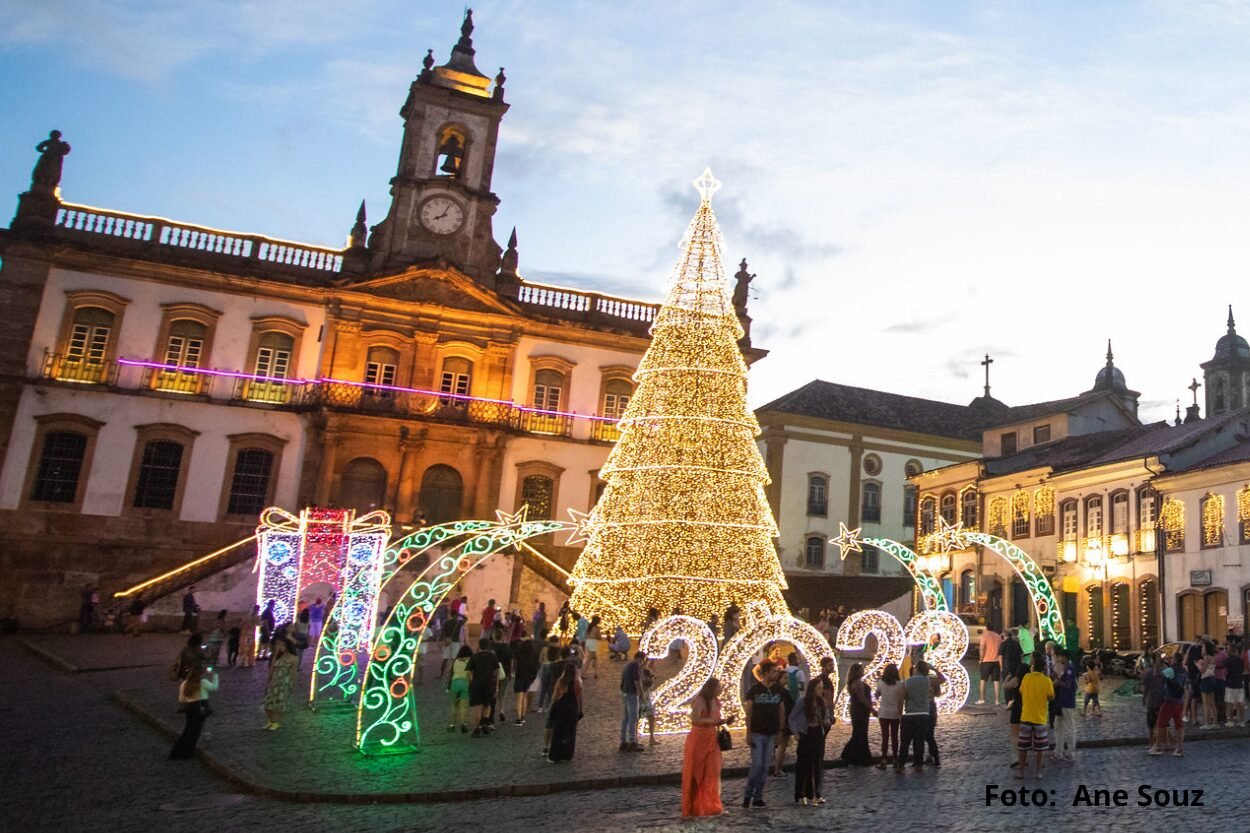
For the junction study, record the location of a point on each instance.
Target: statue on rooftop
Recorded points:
(47, 174)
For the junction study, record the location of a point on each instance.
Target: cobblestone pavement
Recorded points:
(74, 761)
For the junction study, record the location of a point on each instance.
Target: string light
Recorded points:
(809, 643)
(670, 702)
(1172, 518)
(683, 522)
(1050, 621)
(386, 717)
(946, 655)
(1212, 520)
(847, 540)
(891, 648)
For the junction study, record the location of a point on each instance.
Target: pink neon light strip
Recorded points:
(234, 374)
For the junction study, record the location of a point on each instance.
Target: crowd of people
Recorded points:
(538, 665)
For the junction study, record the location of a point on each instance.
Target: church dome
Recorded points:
(1109, 376)
(1231, 345)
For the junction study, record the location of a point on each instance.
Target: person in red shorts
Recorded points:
(1173, 708)
(1036, 693)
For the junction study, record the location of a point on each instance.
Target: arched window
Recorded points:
(362, 485)
(1020, 514)
(1044, 511)
(273, 362)
(999, 508)
(1243, 515)
(817, 495)
(968, 508)
(1067, 514)
(1119, 513)
(381, 368)
(1172, 518)
(928, 515)
(87, 349)
(814, 553)
(948, 508)
(185, 347)
(456, 379)
(160, 470)
(1212, 521)
(616, 395)
(250, 482)
(548, 389)
(1221, 396)
(909, 505)
(1093, 517)
(870, 506)
(442, 495)
(967, 588)
(538, 490)
(1148, 606)
(60, 467)
(1121, 625)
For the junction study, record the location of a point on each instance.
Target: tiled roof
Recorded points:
(1238, 453)
(861, 406)
(1024, 413)
(1104, 447)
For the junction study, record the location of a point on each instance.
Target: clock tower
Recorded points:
(441, 202)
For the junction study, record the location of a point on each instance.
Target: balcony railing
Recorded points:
(1146, 541)
(267, 391)
(183, 381)
(78, 370)
(590, 307)
(605, 431)
(535, 422)
(157, 236)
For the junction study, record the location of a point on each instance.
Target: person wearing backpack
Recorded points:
(1175, 678)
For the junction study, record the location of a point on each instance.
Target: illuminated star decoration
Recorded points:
(951, 536)
(847, 540)
(581, 528)
(707, 185)
(516, 518)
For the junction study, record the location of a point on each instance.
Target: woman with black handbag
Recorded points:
(701, 765)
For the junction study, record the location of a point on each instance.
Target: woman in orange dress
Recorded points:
(700, 771)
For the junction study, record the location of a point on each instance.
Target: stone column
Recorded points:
(405, 502)
(329, 455)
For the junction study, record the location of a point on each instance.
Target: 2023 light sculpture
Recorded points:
(386, 718)
(945, 654)
(670, 702)
(891, 647)
(331, 547)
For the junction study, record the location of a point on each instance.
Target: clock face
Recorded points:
(441, 215)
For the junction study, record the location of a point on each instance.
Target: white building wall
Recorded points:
(141, 322)
(115, 445)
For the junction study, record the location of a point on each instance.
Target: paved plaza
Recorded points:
(77, 760)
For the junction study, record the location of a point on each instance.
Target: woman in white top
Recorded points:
(890, 693)
(193, 698)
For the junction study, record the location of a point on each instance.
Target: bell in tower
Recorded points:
(441, 199)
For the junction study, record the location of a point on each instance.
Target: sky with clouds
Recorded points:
(914, 183)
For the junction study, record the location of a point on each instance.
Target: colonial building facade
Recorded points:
(842, 454)
(1139, 527)
(163, 382)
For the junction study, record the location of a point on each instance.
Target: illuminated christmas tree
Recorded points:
(683, 522)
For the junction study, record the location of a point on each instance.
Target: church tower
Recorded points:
(441, 202)
(1227, 374)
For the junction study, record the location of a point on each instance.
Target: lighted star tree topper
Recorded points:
(683, 522)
